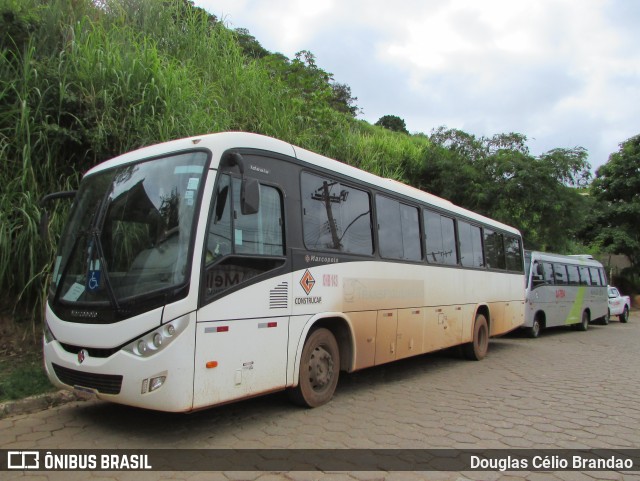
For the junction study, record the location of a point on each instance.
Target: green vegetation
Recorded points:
(25, 379)
(82, 81)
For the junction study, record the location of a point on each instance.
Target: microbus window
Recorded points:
(537, 274)
(595, 276)
(560, 273)
(548, 272)
(574, 275)
(603, 276)
(584, 276)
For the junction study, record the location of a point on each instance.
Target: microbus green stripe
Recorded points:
(575, 315)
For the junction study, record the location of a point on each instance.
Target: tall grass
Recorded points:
(83, 81)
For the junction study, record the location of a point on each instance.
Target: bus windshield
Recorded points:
(128, 236)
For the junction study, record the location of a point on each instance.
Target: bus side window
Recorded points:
(494, 250)
(440, 238)
(242, 246)
(470, 240)
(335, 216)
(513, 253)
(585, 280)
(574, 275)
(548, 273)
(537, 274)
(560, 273)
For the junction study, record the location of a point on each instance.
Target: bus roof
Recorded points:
(578, 259)
(218, 143)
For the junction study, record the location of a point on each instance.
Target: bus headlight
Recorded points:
(158, 339)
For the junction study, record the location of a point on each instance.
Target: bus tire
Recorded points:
(477, 349)
(534, 330)
(319, 370)
(624, 317)
(584, 324)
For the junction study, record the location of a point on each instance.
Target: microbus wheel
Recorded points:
(624, 317)
(584, 324)
(319, 370)
(534, 330)
(477, 349)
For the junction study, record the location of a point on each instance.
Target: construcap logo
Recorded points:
(307, 282)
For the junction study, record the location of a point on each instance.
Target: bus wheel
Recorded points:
(319, 370)
(534, 330)
(624, 317)
(584, 325)
(477, 349)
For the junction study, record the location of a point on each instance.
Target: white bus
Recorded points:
(225, 266)
(563, 290)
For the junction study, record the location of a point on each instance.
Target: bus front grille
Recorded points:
(103, 383)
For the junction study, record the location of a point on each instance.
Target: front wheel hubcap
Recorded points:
(320, 368)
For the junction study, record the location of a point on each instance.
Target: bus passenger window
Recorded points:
(584, 276)
(548, 272)
(574, 275)
(336, 216)
(560, 272)
(494, 249)
(440, 239)
(513, 253)
(471, 254)
(537, 274)
(398, 230)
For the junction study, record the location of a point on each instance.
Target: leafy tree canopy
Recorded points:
(617, 191)
(392, 122)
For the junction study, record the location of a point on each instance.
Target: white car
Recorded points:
(618, 305)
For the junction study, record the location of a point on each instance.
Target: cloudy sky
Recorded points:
(564, 73)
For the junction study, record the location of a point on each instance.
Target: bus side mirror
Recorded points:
(250, 197)
(43, 225)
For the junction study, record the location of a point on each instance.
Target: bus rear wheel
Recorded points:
(319, 370)
(584, 324)
(477, 349)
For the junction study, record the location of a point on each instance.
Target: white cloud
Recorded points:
(562, 72)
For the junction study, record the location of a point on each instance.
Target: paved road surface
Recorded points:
(567, 389)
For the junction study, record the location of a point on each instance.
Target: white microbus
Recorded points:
(563, 290)
(220, 267)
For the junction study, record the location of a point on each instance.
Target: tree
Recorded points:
(342, 100)
(499, 178)
(616, 188)
(249, 45)
(392, 122)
